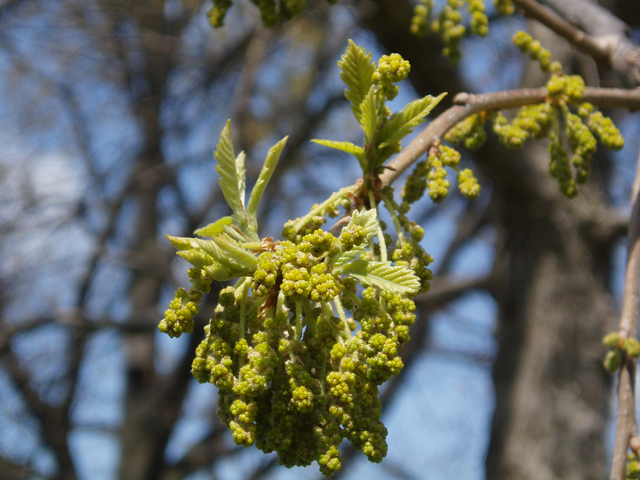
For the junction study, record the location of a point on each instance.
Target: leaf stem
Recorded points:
(381, 242)
(298, 320)
(394, 216)
(243, 320)
(343, 318)
(318, 210)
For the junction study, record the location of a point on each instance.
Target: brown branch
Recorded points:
(626, 424)
(601, 36)
(599, 51)
(446, 290)
(467, 104)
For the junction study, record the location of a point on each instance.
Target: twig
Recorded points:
(445, 290)
(601, 34)
(626, 424)
(599, 51)
(469, 104)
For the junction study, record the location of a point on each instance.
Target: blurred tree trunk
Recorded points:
(152, 403)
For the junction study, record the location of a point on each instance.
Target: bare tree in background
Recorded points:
(121, 102)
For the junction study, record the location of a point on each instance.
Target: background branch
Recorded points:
(626, 424)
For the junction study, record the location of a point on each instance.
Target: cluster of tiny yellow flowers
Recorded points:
(505, 7)
(178, 319)
(469, 131)
(432, 175)
(602, 126)
(571, 167)
(295, 374)
(421, 18)
(391, 69)
(448, 25)
(536, 52)
(293, 378)
(633, 459)
(619, 345)
(531, 121)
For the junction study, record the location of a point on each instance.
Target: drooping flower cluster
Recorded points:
(619, 345)
(449, 25)
(295, 374)
(293, 378)
(552, 119)
(432, 175)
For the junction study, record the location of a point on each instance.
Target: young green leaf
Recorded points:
(231, 172)
(370, 107)
(241, 174)
(183, 243)
(396, 278)
(348, 147)
(357, 71)
(400, 123)
(197, 258)
(367, 219)
(227, 253)
(215, 228)
(348, 256)
(235, 254)
(219, 272)
(265, 175)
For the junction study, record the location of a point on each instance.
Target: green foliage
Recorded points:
(401, 124)
(368, 88)
(356, 71)
(382, 275)
(261, 184)
(292, 375)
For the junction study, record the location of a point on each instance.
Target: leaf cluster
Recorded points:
(368, 88)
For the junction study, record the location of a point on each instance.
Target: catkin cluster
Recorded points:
(431, 174)
(572, 137)
(293, 378)
(391, 69)
(449, 25)
(619, 345)
(536, 51)
(178, 319)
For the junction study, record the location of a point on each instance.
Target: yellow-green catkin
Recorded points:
(217, 13)
(536, 52)
(479, 20)
(505, 7)
(449, 27)
(421, 18)
(602, 126)
(469, 131)
(391, 69)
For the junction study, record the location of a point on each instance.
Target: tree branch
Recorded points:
(600, 34)
(626, 424)
(467, 104)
